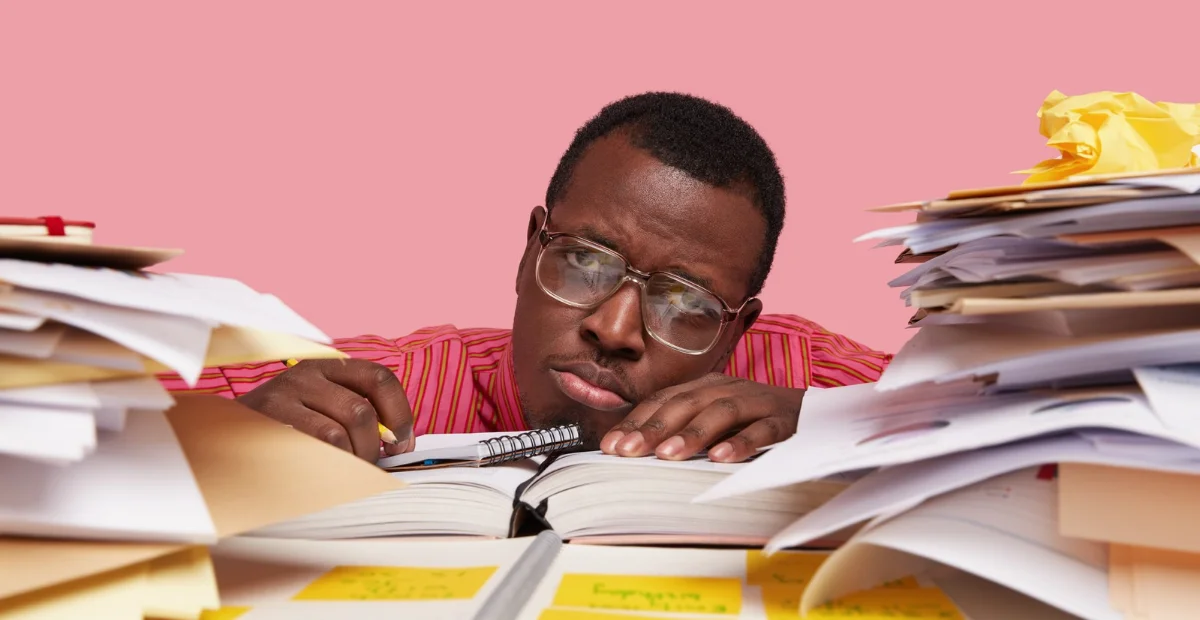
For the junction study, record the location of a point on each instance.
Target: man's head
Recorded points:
(673, 184)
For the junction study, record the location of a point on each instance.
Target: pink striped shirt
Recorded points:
(461, 380)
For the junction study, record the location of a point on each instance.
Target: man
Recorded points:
(636, 313)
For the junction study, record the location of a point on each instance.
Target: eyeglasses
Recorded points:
(681, 315)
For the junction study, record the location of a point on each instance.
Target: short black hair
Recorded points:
(703, 139)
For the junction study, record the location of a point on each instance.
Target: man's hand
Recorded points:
(339, 401)
(679, 421)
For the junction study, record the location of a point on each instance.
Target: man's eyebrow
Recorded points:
(691, 277)
(596, 236)
(591, 234)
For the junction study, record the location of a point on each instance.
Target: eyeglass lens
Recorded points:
(675, 311)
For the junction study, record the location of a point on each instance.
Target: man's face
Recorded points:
(659, 219)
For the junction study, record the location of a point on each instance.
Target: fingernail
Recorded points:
(608, 445)
(671, 447)
(722, 452)
(632, 444)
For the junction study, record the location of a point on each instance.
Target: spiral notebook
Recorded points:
(491, 451)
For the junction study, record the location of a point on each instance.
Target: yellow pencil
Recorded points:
(384, 433)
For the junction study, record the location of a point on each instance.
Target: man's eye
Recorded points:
(585, 259)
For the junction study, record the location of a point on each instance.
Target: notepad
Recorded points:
(490, 451)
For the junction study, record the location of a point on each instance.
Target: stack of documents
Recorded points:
(110, 487)
(1059, 324)
(80, 340)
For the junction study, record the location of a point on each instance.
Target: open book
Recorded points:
(539, 578)
(586, 496)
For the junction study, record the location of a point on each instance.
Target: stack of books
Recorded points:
(110, 487)
(1059, 323)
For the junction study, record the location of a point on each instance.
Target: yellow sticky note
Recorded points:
(223, 613)
(179, 586)
(554, 613)
(793, 568)
(396, 583)
(704, 595)
(884, 603)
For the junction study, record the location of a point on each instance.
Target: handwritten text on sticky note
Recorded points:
(794, 568)
(396, 583)
(884, 603)
(704, 595)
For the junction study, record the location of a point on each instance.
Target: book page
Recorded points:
(304, 579)
(1004, 529)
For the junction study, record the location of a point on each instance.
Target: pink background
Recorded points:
(374, 163)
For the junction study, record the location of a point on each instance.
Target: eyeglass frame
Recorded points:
(636, 276)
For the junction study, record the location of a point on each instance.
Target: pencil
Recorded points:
(384, 432)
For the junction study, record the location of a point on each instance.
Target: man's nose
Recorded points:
(615, 326)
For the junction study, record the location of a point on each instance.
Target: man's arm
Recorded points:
(757, 398)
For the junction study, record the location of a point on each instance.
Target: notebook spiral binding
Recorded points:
(531, 443)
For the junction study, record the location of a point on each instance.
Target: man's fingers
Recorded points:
(351, 411)
(314, 424)
(674, 416)
(379, 386)
(628, 438)
(746, 443)
(715, 420)
(636, 418)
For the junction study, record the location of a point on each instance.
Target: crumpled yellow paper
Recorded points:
(1108, 132)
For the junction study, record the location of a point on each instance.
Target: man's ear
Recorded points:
(738, 329)
(536, 218)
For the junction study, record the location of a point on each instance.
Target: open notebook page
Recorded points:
(1004, 530)
(303, 579)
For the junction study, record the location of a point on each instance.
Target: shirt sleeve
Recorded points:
(791, 351)
(430, 363)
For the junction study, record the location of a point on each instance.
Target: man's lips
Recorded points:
(590, 386)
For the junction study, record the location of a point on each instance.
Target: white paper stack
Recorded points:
(1059, 323)
(85, 449)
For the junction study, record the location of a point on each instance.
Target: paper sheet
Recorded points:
(1001, 529)
(1107, 132)
(1154, 584)
(892, 490)
(137, 485)
(37, 344)
(47, 435)
(1130, 506)
(251, 471)
(857, 427)
(173, 587)
(205, 298)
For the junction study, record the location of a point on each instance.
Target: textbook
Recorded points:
(582, 496)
